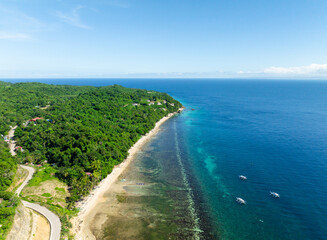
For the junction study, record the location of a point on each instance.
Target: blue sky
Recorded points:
(163, 38)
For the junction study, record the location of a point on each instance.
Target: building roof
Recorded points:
(34, 119)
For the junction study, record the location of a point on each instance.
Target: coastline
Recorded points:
(80, 226)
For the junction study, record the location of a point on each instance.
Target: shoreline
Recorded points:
(79, 228)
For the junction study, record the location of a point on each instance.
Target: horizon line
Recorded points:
(163, 78)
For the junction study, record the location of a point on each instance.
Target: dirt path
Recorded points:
(12, 143)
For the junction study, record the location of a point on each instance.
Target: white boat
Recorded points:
(242, 177)
(240, 200)
(274, 194)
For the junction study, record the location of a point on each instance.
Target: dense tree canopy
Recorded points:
(7, 166)
(22, 101)
(85, 131)
(8, 204)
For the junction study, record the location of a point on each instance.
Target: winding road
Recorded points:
(28, 178)
(55, 224)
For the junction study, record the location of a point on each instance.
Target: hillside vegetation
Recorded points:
(79, 135)
(8, 202)
(22, 101)
(82, 133)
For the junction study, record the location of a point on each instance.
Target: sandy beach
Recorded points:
(80, 224)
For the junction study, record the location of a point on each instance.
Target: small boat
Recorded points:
(274, 194)
(242, 177)
(240, 201)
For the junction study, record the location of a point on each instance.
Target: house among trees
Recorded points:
(19, 148)
(34, 119)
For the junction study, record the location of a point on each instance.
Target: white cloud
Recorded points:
(14, 36)
(14, 18)
(302, 70)
(17, 25)
(73, 18)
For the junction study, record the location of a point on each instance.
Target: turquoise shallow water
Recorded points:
(274, 132)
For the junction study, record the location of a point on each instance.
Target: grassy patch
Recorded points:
(44, 187)
(60, 189)
(46, 195)
(43, 174)
(47, 192)
(52, 194)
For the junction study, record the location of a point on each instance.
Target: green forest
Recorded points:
(22, 101)
(81, 132)
(8, 202)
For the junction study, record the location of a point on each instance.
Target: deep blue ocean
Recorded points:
(273, 132)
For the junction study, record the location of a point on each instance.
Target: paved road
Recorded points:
(55, 224)
(29, 177)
